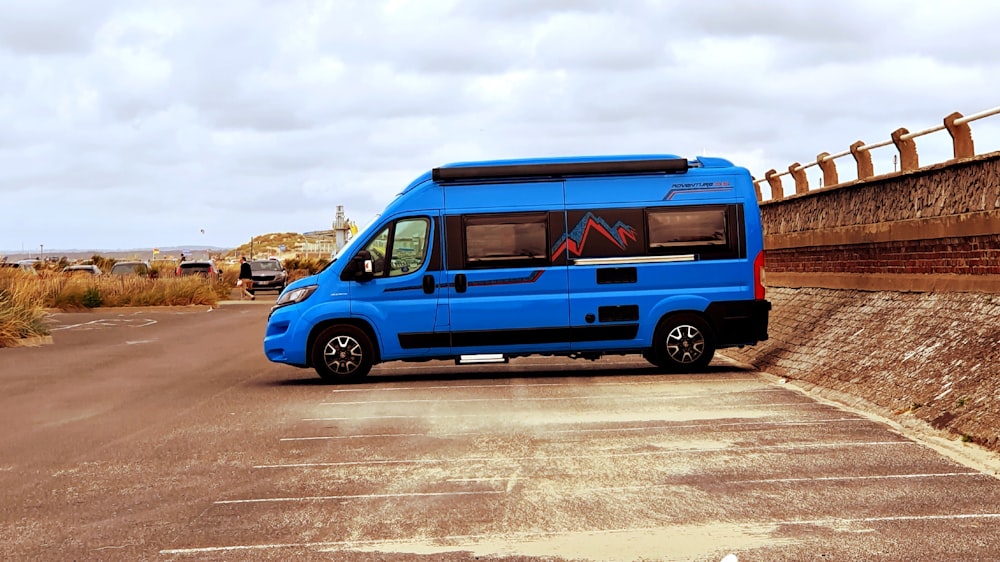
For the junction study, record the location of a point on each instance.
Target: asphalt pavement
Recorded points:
(164, 433)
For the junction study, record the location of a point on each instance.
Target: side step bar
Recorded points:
(482, 358)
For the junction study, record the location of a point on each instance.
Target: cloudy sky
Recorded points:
(130, 124)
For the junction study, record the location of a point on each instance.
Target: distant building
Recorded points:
(329, 242)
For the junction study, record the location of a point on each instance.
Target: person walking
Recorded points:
(246, 279)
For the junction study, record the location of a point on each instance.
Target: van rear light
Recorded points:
(758, 276)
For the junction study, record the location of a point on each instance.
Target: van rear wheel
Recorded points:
(682, 342)
(342, 353)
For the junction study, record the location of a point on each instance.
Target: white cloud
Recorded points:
(139, 124)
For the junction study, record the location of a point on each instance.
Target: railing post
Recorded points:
(907, 148)
(756, 187)
(961, 136)
(801, 180)
(864, 161)
(829, 168)
(774, 181)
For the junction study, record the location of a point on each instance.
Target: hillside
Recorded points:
(280, 245)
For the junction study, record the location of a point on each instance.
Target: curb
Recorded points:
(33, 341)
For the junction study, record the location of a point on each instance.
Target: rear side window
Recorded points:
(509, 240)
(708, 232)
(704, 227)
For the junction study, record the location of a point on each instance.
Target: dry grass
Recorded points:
(21, 312)
(81, 291)
(24, 298)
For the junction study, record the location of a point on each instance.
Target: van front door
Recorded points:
(506, 294)
(399, 297)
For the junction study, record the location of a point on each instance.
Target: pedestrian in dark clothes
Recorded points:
(246, 279)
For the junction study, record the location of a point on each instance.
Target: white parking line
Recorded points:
(642, 487)
(448, 416)
(459, 540)
(537, 399)
(722, 448)
(847, 478)
(359, 497)
(108, 323)
(576, 491)
(891, 519)
(584, 430)
(369, 436)
(544, 384)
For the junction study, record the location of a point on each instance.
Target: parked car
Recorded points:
(204, 268)
(140, 268)
(26, 267)
(268, 275)
(88, 269)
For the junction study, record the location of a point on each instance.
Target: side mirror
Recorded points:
(360, 268)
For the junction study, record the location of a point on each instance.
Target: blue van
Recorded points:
(655, 255)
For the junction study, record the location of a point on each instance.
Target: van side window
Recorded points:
(507, 240)
(409, 246)
(708, 231)
(400, 247)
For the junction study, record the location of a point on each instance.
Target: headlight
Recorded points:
(295, 296)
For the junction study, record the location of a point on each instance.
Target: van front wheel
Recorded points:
(342, 353)
(682, 342)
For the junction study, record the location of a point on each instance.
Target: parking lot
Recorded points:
(165, 434)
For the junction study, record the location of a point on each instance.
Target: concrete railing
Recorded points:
(956, 124)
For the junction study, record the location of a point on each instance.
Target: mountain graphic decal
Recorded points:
(620, 234)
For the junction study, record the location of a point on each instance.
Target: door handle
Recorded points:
(428, 283)
(461, 283)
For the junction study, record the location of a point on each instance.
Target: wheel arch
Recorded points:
(670, 315)
(673, 305)
(356, 322)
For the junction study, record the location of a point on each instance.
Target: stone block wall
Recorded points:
(888, 290)
(973, 255)
(935, 228)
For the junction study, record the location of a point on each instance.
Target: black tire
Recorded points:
(682, 342)
(342, 353)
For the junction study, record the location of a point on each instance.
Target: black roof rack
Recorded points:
(560, 169)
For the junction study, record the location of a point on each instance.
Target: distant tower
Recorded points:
(341, 228)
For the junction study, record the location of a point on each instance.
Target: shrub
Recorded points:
(21, 312)
(309, 265)
(91, 297)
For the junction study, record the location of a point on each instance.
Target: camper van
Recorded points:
(655, 255)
